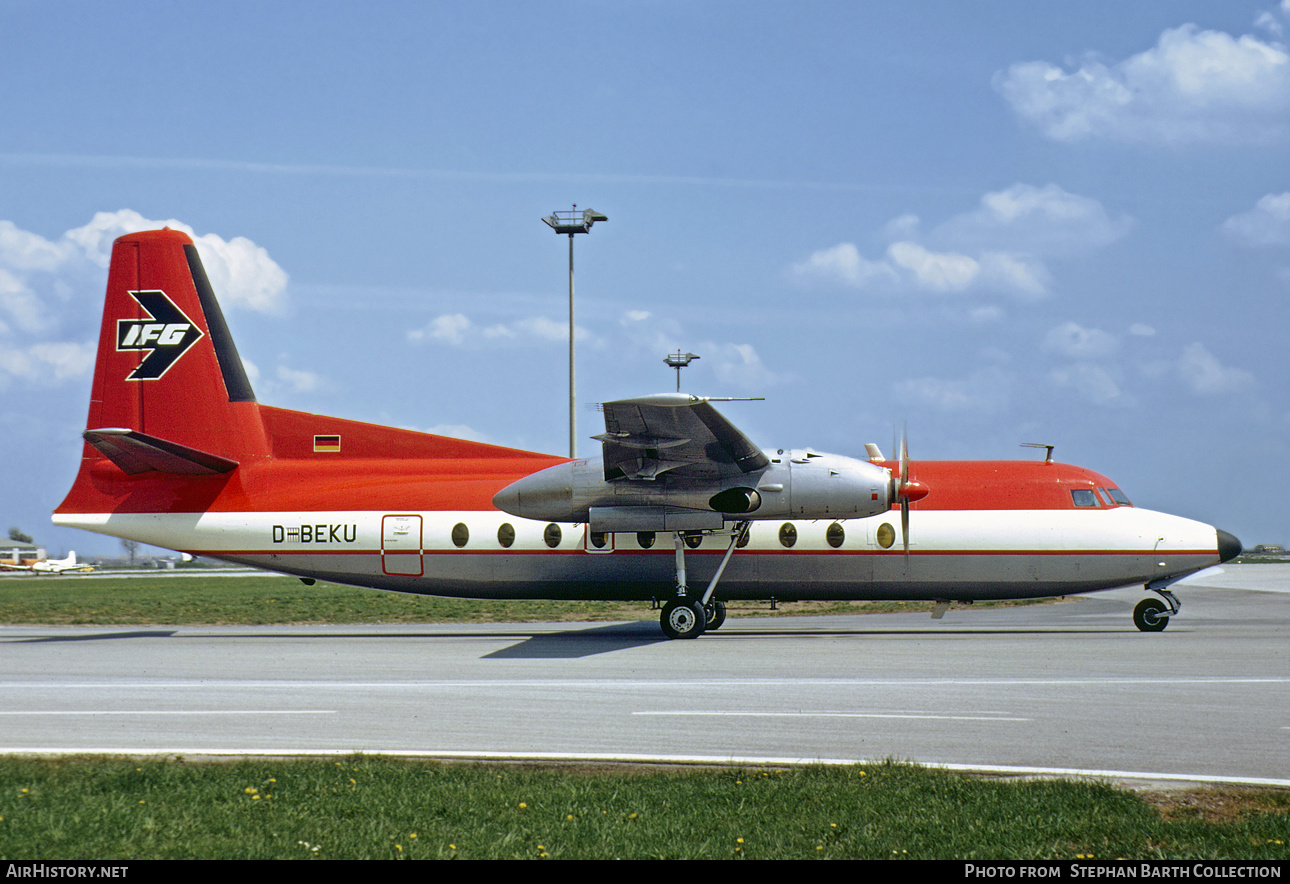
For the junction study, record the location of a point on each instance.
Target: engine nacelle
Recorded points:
(799, 484)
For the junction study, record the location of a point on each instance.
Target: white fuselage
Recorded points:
(954, 554)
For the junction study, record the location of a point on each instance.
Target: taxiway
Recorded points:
(1070, 687)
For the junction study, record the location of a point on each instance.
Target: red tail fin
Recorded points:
(166, 364)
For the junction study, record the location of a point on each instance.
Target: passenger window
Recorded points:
(506, 535)
(787, 534)
(1083, 497)
(645, 539)
(744, 536)
(460, 535)
(552, 535)
(598, 539)
(836, 535)
(693, 539)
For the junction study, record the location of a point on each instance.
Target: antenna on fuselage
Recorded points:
(1048, 458)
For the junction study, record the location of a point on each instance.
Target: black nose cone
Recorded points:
(1228, 546)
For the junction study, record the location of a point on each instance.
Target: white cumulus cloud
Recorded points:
(842, 264)
(999, 247)
(1041, 220)
(459, 330)
(1267, 224)
(740, 366)
(51, 290)
(943, 272)
(241, 272)
(1095, 383)
(45, 362)
(298, 381)
(450, 328)
(985, 391)
(914, 267)
(1193, 86)
(1206, 376)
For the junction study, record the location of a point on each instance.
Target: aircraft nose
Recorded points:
(1228, 546)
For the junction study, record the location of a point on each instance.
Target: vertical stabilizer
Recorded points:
(167, 366)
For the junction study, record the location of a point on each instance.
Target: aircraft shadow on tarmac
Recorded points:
(98, 636)
(582, 642)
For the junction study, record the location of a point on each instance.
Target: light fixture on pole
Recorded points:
(572, 222)
(678, 360)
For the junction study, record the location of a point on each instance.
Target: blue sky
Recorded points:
(994, 222)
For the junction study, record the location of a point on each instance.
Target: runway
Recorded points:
(1068, 687)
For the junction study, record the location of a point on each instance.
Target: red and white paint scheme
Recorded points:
(179, 454)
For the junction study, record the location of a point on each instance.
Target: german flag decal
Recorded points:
(326, 444)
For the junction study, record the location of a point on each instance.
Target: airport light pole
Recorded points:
(679, 361)
(573, 222)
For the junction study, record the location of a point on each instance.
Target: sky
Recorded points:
(987, 223)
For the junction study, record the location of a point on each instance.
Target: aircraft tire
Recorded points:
(1146, 616)
(684, 618)
(716, 614)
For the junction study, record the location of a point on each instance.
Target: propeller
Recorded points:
(905, 489)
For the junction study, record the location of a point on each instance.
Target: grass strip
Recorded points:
(373, 808)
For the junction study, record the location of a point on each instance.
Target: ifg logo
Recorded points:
(167, 334)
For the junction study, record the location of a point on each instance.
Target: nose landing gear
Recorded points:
(1152, 615)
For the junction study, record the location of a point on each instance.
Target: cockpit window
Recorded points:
(1118, 496)
(1083, 497)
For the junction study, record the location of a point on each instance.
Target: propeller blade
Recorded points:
(904, 487)
(904, 523)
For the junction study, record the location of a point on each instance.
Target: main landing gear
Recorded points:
(686, 616)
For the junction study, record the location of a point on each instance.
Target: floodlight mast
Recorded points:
(678, 360)
(570, 223)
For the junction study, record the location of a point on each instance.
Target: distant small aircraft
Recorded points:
(179, 454)
(52, 567)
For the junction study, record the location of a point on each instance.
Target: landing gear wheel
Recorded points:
(1147, 615)
(684, 618)
(716, 614)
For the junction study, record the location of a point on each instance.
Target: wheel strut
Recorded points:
(686, 617)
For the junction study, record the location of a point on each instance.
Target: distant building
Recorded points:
(17, 552)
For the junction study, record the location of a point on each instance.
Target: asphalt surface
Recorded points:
(1062, 688)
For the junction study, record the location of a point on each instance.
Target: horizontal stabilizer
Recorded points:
(136, 452)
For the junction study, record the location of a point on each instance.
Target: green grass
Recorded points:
(372, 808)
(262, 599)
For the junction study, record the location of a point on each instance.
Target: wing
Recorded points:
(676, 434)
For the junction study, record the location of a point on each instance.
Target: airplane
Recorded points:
(179, 453)
(52, 567)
